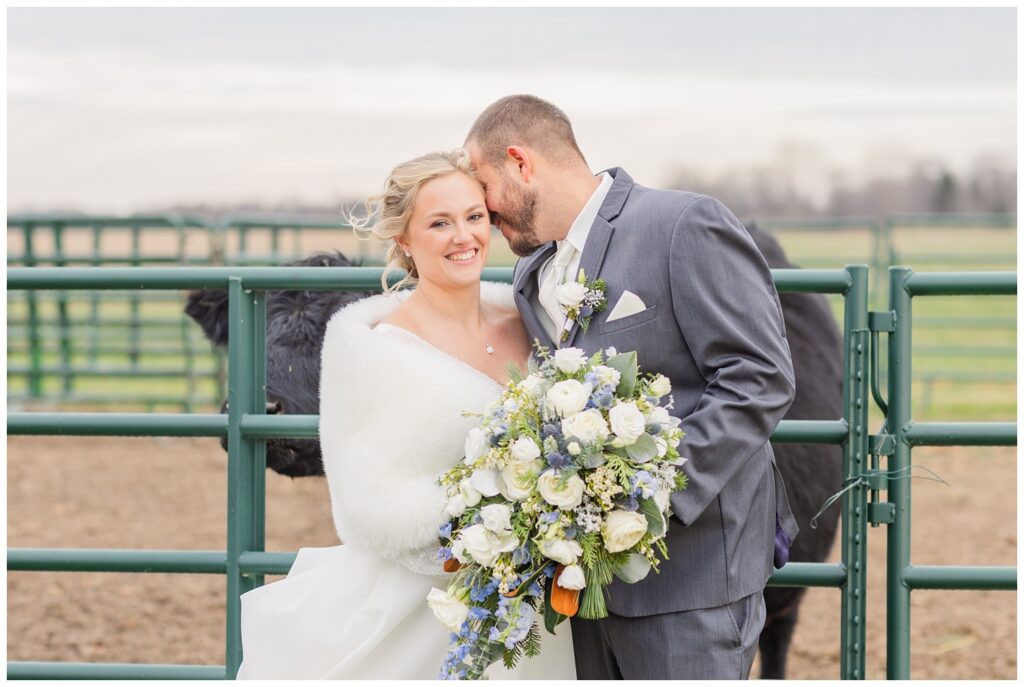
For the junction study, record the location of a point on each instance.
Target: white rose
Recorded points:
(497, 517)
(569, 360)
(469, 493)
(627, 422)
(572, 577)
(566, 497)
(479, 544)
(485, 481)
(588, 426)
(476, 445)
(573, 448)
(660, 386)
(524, 448)
(447, 609)
(568, 397)
(623, 529)
(570, 294)
(517, 478)
(564, 551)
(455, 506)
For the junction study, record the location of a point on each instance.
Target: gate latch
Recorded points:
(882, 321)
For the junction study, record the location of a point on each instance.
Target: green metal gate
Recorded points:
(244, 561)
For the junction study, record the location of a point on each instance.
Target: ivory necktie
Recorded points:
(548, 289)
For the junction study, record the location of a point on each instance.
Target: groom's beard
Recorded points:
(517, 224)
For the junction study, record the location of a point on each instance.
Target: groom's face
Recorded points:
(512, 205)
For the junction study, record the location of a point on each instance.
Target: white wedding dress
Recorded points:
(390, 422)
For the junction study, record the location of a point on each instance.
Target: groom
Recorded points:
(688, 290)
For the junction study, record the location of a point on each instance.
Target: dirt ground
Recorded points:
(171, 494)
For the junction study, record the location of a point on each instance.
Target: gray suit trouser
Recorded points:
(704, 644)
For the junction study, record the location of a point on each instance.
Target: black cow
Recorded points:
(296, 321)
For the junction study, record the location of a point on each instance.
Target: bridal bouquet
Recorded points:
(565, 484)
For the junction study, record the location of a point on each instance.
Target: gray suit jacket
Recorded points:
(714, 326)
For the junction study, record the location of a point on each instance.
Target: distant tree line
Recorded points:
(923, 187)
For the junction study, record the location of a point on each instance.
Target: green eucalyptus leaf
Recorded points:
(633, 569)
(594, 460)
(626, 364)
(655, 521)
(643, 449)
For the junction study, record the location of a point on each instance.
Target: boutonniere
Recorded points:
(579, 300)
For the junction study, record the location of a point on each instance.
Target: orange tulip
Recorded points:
(564, 601)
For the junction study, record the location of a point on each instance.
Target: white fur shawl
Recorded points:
(391, 422)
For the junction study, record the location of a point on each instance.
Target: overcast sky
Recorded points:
(117, 110)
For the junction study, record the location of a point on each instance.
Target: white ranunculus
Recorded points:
(517, 479)
(623, 529)
(476, 445)
(660, 386)
(447, 609)
(627, 422)
(479, 544)
(497, 517)
(455, 506)
(569, 360)
(588, 426)
(533, 386)
(659, 416)
(572, 577)
(565, 497)
(570, 294)
(661, 499)
(524, 448)
(469, 493)
(568, 397)
(485, 480)
(573, 448)
(565, 551)
(608, 375)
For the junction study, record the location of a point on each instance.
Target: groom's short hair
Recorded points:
(524, 120)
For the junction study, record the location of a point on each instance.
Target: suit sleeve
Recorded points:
(728, 311)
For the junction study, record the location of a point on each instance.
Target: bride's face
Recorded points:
(449, 230)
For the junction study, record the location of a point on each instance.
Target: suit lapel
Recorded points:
(592, 259)
(524, 287)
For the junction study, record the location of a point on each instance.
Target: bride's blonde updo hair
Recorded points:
(392, 208)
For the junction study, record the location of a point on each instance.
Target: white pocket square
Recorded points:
(629, 304)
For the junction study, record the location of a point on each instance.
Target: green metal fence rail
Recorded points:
(244, 562)
(247, 427)
(901, 576)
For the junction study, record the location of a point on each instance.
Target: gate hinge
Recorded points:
(881, 513)
(882, 321)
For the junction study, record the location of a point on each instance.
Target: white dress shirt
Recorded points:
(577, 236)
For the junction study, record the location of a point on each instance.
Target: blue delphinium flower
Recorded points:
(570, 532)
(478, 613)
(603, 398)
(521, 556)
(444, 553)
(643, 484)
(446, 530)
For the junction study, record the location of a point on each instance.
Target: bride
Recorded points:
(397, 371)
